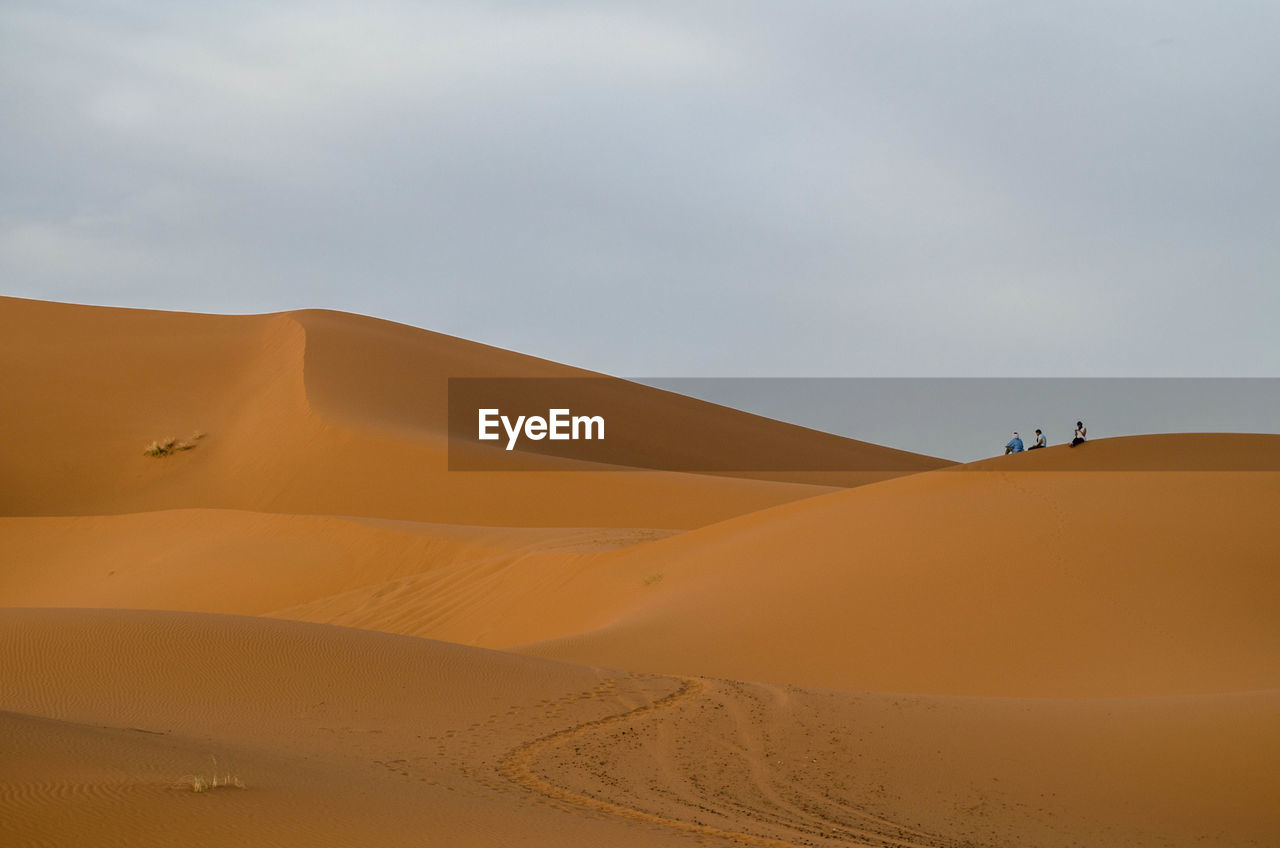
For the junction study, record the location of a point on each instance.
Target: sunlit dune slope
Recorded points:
(249, 563)
(338, 735)
(475, 585)
(346, 737)
(1054, 583)
(318, 413)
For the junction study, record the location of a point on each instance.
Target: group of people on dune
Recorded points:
(1014, 445)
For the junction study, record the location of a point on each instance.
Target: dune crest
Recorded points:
(305, 413)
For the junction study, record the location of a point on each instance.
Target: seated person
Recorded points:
(1040, 441)
(1014, 445)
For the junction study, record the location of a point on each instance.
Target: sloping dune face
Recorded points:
(88, 389)
(331, 736)
(338, 737)
(1065, 648)
(1006, 583)
(308, 412)
(251, 563)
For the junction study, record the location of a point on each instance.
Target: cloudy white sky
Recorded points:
(669, 188)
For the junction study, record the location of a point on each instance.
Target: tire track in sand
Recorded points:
(517, 766)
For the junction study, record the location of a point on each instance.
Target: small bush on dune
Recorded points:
(163, 447)
(170, 446)
(215, 779)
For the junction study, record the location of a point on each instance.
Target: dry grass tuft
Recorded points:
(215, 779)
(170, 446)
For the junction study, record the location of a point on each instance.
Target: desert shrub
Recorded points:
(214, 779)
(170, 446)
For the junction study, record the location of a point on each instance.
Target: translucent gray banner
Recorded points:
(727, 425)
(967, 419)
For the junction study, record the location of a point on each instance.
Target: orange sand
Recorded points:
(977, 655)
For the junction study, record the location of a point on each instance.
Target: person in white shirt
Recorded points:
(1040, 441)
(1081, 432)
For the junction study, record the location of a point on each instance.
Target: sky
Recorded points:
(971, 418)
(726, 189)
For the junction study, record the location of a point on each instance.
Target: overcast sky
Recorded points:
(669, 188)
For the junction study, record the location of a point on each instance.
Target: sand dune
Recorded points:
(984, 583)
(351, 737)
(339, 736)
(1045, 584)
(313, 413)
(253, 563)
(1089, 639)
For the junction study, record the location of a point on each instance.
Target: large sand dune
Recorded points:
(315, 413)
(1072, 647)
(345, 737)
(986, 583)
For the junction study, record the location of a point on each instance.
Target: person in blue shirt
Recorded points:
(1041, 441)
(1014, 445)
